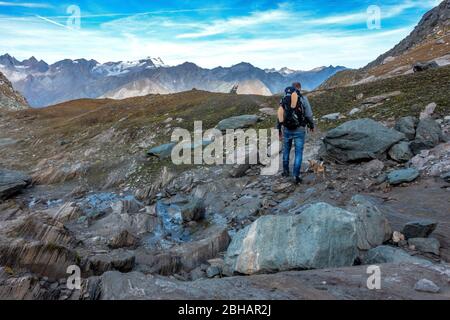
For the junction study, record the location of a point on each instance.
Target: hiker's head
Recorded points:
(297, 85)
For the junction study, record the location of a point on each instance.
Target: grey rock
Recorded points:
(401, 152)
(419, 229)
(373, 168)
(332, 116)
(428, 135)
(424, 66)
(373, 229)
(397, 177)
(359, 140)
(12, 182)
(446, 177)
(162, 151)
(407, 125)
(213, 271)
(322, 236)
(387, 254)
(238, 122)
(268, 111)
(425, 285)
(193, 211)
(380, 98)
(119, 260)
(238, 170)
(428, 245)
(124, 239)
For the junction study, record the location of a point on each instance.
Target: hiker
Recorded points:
(294, 115)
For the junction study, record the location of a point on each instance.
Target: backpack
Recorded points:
(294, 118)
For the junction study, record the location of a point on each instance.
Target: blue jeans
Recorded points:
(298, 137)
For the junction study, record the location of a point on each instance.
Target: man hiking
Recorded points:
(294, 115)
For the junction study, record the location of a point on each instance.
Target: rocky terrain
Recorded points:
(428, 46)
(43, 84)
(9, 98)
(89, 184)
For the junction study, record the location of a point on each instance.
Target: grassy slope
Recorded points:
(418, 90)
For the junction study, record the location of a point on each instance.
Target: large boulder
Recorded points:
(428, 245)
(397, 177)
(424, 66)
(359, 140)
(12, 182)
(401, 152)
(238, 122)
(407, 125)
(163, 151)
(373, 229)
(322, 236)
(428, 135)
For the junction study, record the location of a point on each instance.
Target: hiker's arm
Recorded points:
(308, 113)
(280, 119)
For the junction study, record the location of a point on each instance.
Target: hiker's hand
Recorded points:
(280, 136)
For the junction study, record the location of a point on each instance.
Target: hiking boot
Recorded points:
(285, 174)
(298, 180)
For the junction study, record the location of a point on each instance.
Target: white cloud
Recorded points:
(24, 4)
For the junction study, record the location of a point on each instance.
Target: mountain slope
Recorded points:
(9, 98)
(428, 42)
(44, 84)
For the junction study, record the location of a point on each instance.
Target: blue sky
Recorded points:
(299, 34)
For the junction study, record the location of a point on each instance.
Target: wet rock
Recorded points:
(428, 135)
(401, 152)
(359, 140)
(238, 122)
(429, 245)
(425, 285)
(397, 177)
(424, 66)
(387, 254)
(163, 151)
(419, 229)
(407, 125)
(12, 182)
(373, 229)
(193, 211)
(119, 260)
(277, 243)
(124, 239)
(428, 112)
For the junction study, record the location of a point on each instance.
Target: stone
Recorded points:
(446, 177)
(194, 210)
(268, 111)
(321, 237)
(332, 116)
(213, 271)
(407, 125)
(12, 182)
(397, 177)
(424, 66)
(238, 122)
(354, 111)
(428, 245)
(238, 170)
(380, 98)
(401, 152)
(387, 254)
(163, 151)
(359, 140)
(428, 135)
(119, 260)
(425, 285)
(373, 168)
(428, 111)
(124, 239)
(398, 237)
(373, 229)
(419, 229)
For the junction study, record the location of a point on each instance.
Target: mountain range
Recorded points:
(44, 84)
